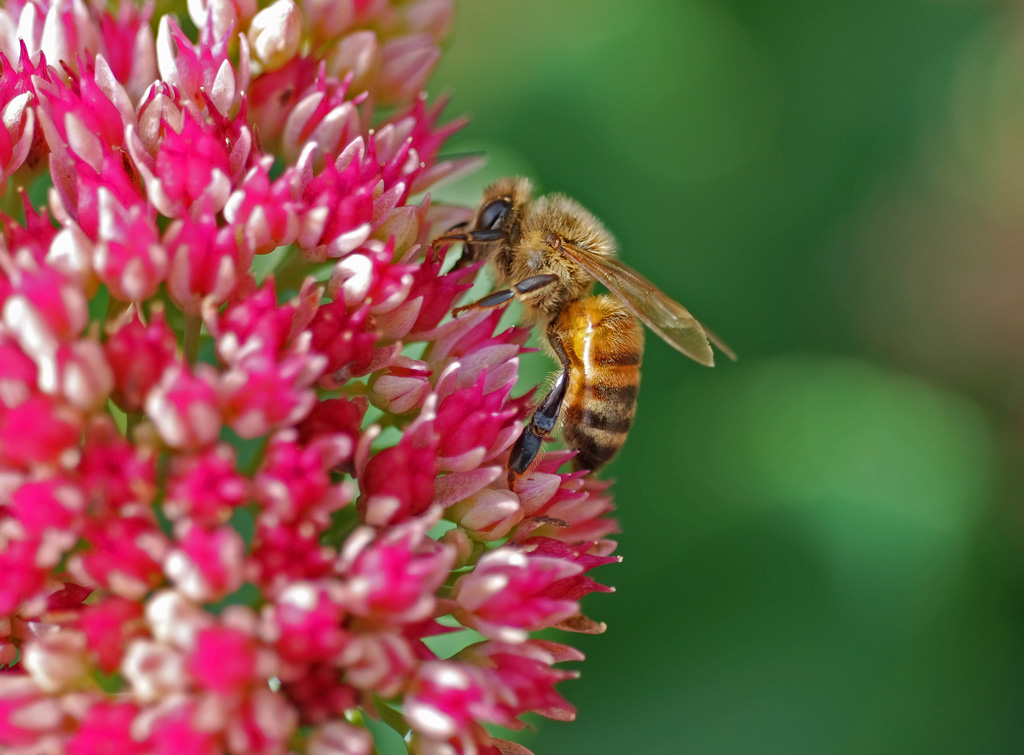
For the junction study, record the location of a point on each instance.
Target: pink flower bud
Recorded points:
(204, 264)
(470, 423)
(262, 725)
(380, 661)
(438, 293)
(505, 596)
(433, 17)
(116, 474)
(268, 212)
(180, 728)
(344, 339)
(489, 514)
(283, 553)
(224, 660)
(324, 118)
(72, 253)
(320, 696)
(129, 257)
(207, 565)
(294, 483)
(523, 678)
(58, 660)
(123, 555)
(138, 355)
(24, 575)
(108, 626)
(407, 63)
(356, 55)
(394, 578)
(222, 16)
(370, 277)
(44, 307)
(275, 33)
(108, 728)
(50, 509)
(203, 72)
(403, 387)
(17, 129)
(398, 483)
(447, 696)
(339, 738)
(155, 671)
(193, 167)
(326, 19)
(332, 417)
(185, 408)
(28, 715)
(85, 380)
(264, 391)
(205, 488)
(274, 94)
(25, 441)
(308, 620)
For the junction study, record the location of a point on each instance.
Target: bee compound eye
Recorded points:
(494, 213)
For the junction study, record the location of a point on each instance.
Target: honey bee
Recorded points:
(548, 253)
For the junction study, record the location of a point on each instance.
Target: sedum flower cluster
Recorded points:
(251, 469)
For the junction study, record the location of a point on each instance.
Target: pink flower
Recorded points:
(446, 699)
(224, 660)
(207, 564)
(394, 578)
(185, 408)
(108, 728)
(309, 621)
(508, 594)
(398, 482)
(205, 488)
(138, 354)
(250, 464)
(108, 626)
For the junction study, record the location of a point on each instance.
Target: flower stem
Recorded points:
(291, 271)
(115, 308)
(134, 419)
(193, 324)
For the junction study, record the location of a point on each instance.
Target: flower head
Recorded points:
(236, 506)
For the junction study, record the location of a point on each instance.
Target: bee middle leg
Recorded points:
(542, 422)
(525, 286)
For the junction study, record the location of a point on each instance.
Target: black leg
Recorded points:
(542, 423)
(456, 234)
(500, 297)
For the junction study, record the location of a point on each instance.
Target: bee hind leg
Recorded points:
(542, 423)
(495, 298)
(527, 447)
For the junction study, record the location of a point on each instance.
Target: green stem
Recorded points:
(134, 420)
(193, 324)
(115, 308)
(10, 204)
(291, 271)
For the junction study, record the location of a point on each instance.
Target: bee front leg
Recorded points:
(457, 233)
(495, 298)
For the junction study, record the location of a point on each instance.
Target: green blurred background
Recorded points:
(823, 541)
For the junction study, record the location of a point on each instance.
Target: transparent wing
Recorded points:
(665, 316)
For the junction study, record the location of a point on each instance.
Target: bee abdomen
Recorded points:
(597, 429)
(609, 417)
(604, 349)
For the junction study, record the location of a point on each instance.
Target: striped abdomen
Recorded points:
(603, 343)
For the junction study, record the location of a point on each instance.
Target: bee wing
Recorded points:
(665, 316)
